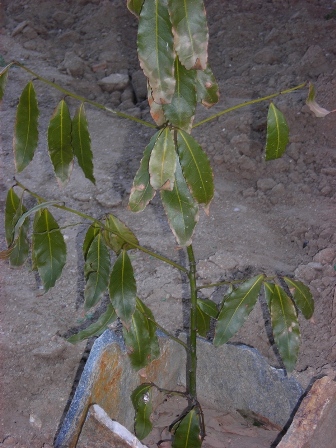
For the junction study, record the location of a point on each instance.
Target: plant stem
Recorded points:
(248, 103)
(82, 98)
(192, 354)
(99, 223)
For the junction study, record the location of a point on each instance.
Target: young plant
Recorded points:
(172, 48)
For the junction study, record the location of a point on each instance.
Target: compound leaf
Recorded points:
(97, 328)
(236, 308)
(81, 143)
(285, 325)
(162, 162)
(142, 192)
(26, 128)
(117, 235)
(277, 133)
(122, 288)
(155, 49)
(181, 209)
(96, 271)
(302, 296)
(59, 142)
(187, 432)
(49, 249)
(142, 402)
(180, 112)
(190, 32)
(206, 87)
(196, 168)
(19, 247)
(135, 6)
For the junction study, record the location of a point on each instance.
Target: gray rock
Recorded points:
(19, 28)
(139, 83)
(325, 256)
(116, 81)
(266, 56)
(266, 184)
(73, 64)
(109, 199)
(314, 62)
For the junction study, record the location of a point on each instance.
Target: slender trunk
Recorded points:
(192, 354)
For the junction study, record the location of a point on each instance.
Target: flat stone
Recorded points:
(230, 377)
(116, 81)
(100, 431)
(108, 380)
(314, 422)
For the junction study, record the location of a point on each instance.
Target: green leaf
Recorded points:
(90, 235)
(97, 328)
(285, 325)
(49, 249)
(207, 87)
(19, 247)
(236, 308)
(81, 143)
(142, 192)
(269, 291)
(277, 133)
(141, 342)
(29, 212)
(118, 242)
(187, 432)
(302, 296)
(162, 162)
(156, 110)
(190, 32)
(96, 271)
(153, 342)
(180, 112)
(149, 324)
(26, 128)
(203, 321)
(135, 6)
(196, 168)
(180, 208)
(208, 307)
(142, 402)
(36, 218)
(155, 49)
(122, 288)
(59, 142)
(3, 81)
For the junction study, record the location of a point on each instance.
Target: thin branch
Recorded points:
(83, 99)
(96, 221)
(248, 103)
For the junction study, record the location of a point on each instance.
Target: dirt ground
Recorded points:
(277, 217)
